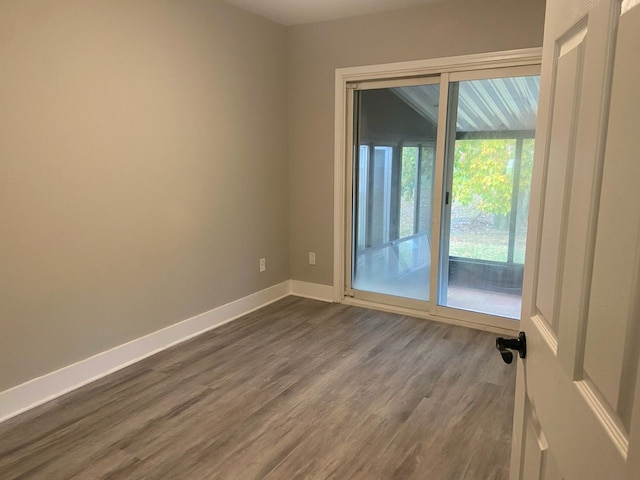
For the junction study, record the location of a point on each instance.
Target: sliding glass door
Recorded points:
(439, 190)
(489, 160)
(393, 189)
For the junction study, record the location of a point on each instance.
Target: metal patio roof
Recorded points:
(500, 104)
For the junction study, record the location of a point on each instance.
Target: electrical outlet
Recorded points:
(312, 258)
(263, 264)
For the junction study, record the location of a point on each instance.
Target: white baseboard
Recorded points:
(312, 290)
(52, 385)
(35, 392)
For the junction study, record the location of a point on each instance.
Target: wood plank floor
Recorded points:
(298, 390)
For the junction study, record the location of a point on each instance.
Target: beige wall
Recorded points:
(455, 27)
(143, 170)
(143, 156)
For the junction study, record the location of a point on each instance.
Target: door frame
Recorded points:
(444, 67)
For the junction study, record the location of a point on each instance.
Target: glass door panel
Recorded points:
(393, 190)
(489, 160)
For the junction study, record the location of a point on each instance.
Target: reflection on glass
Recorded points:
(393, 190)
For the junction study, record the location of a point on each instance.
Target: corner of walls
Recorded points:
(314, 291)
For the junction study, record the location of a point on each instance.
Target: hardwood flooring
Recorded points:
(297, 390)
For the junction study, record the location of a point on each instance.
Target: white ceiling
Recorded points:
(296, 12)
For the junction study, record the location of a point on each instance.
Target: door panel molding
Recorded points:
(558, 163)
(609, 418)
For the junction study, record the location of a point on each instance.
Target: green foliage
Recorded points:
(483, 174)
(483, 181)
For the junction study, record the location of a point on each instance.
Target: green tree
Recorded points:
(483, 174)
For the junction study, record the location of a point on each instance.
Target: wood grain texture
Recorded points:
(297, 390)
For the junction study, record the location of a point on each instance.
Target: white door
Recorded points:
(577, 414)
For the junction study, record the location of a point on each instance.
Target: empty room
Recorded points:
(339, 239)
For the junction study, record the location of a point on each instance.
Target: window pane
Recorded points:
(408, 191)
(489, 159)
(380, 198)
(393, 190)
(363, 178)
(523, 200)
(481, 200)
(425, 189)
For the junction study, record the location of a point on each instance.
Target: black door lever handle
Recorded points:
(504, 345)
